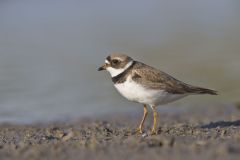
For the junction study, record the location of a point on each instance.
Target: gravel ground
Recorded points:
(206, 132)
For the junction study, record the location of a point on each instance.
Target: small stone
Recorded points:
(59, 134)
(154, 143)
(201, 143)
(144, 135)
(223, 133)
(67, 136)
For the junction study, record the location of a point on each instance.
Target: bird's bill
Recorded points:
(103, 67)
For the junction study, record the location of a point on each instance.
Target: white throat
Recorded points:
(114, 72)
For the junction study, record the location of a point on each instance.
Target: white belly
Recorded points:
(134, 92)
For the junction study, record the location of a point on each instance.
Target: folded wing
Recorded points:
(156, 79)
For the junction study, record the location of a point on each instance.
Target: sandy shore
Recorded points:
(206, 132)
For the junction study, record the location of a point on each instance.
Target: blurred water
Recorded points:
(49, 52)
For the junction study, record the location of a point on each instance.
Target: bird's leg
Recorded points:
(155, 119)
(145, 112)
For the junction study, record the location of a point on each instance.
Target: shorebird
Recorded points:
(146, 85)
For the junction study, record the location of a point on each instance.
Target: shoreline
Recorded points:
(207, 132)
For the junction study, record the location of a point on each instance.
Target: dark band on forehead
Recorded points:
(108, 58)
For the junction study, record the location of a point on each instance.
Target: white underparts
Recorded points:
(137, 93)
(114, 72)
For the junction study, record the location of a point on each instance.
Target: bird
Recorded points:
(141, 83)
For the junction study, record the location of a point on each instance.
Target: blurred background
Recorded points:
(50, 51)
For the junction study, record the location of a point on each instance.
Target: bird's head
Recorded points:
(116, 63)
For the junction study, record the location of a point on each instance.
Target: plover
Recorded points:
(146, 85)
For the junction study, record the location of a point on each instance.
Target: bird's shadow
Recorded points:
(221, 124)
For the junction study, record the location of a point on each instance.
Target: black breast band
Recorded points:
(122, 76)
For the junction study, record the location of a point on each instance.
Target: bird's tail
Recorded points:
(200, 90)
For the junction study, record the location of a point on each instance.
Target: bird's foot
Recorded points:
(154, 131)
(139, 130)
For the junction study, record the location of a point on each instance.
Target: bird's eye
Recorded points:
(115, 61)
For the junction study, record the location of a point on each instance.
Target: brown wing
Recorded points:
(156, 79)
